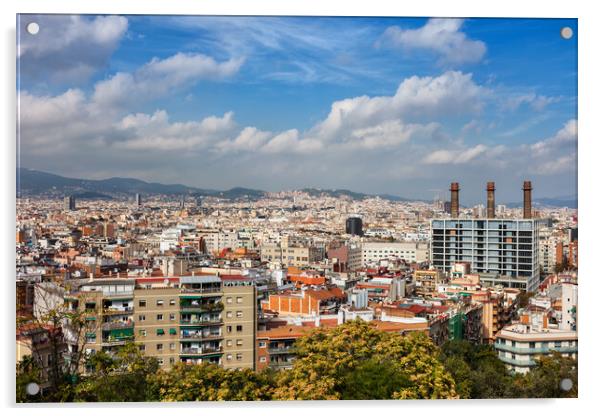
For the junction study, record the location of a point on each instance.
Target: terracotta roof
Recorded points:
(285, 332)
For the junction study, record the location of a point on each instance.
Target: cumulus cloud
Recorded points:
(564, 139)
(440, 36)
(68, 48)
(417, 97)
(160, 76)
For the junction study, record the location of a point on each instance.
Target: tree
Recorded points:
(208, 382)
(476, 369)
(120, 377)
(331, 361)
(28, 371)
(544, 381)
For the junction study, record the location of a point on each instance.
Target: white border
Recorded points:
(590, 70)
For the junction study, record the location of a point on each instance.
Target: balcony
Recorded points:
(202, 307)
(201, 336)
(282, 350)
(108, 326)
(538, 350)
(200, 351)
(209, 290)
(520, 363)
(115, 311)
(282, 365)
(201, 322)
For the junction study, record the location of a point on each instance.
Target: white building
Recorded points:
(373, 252)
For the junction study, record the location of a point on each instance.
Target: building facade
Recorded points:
(508, 249)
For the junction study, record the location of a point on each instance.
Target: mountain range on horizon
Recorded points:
(32, 182)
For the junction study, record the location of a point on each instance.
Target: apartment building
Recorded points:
(191, 319)
(412, 252)
(507, 249)
(296, 256)
(427, 281)
(519, 345)
(240, 322)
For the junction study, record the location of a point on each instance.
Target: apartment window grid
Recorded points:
(507, 247)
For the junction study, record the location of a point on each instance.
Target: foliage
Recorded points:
(329, 361)
(545, 379)
(28, 371)
(122, 377)
(208, 382)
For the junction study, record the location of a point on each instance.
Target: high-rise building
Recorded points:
(69, 203)
(505, 251)
(353, 226)
(138, 200)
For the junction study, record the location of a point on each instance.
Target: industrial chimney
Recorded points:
(527, 200)
(455, 203)
(490, 199)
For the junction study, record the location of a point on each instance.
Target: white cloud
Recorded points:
(441, 36)
(455, 157)
(159, 77)
(417, 97)
(565, 139)
(535, 101)
(68, 48)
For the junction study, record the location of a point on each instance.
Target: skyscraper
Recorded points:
(353, 226)
(69, 203)
(138, 200)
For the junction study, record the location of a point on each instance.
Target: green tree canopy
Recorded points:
(330, 362)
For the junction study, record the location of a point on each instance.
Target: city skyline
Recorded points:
(374, 105)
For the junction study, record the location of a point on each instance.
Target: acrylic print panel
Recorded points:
(278, 208)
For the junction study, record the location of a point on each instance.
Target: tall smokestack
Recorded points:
(527, 188)
(490, 199)
(455, 203)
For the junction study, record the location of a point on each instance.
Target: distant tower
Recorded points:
(138, 200)
(199, 202)
(182, 202)
(69, 203)
(353, 226)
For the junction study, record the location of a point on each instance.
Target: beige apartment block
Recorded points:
(240, 311)
(157, 323)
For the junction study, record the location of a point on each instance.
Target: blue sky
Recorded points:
(396, 105)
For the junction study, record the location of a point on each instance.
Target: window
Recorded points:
(239, 314)
(160, 302)
(141, 318)
(142, 347)
(228, 300)
(229, 314)
(142, 303)
(160, 361)
(229, 343)
(239, 342)
(229, 329)
(142, 332)
(261, 344)
(229, 357)
(172, 360)
(239, 357)
(238, 328)
(172, 316)
(238, 299)
(172, 302)
(172, 331)
(160, 331)
(159, 317)
(262, 359)
(159, 347)
(172, 346)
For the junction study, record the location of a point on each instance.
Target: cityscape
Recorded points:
(391, 250)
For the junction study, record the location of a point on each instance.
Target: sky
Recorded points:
(402, 106)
